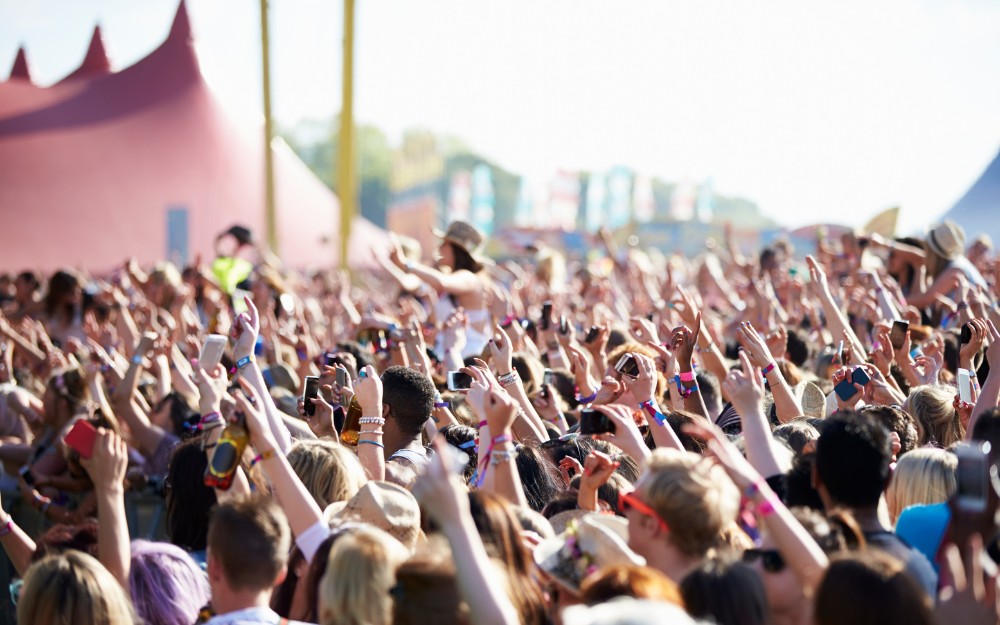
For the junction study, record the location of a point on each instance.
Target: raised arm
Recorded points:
(745, 390)
(835, 317)
(107, 467)
(803, 555)
(479, 582)
(754, 346)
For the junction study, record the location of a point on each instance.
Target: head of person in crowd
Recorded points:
(501, 533)
(167, 587)
(786, 597)
(540, 478)
(26, 287)
(639, 582)
(726, 592)
(360, 572)
(870, 588)
(234, 241)
(72, 587)
(460, 246)
(678, 511)
(852, 461)
(164, 285)
(66, 394)
(248, 544)
(426, 591)
(796, 434)
(923, 476)
(189, 501)
(897, 420)
(407, 403)
(932, 407)
(65, 293)
(329, 471)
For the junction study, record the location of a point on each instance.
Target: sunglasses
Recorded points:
(770, 559)
(630, 501)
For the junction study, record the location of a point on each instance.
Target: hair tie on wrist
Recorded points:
(367, 442)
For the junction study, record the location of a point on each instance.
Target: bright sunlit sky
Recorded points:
(815, 110)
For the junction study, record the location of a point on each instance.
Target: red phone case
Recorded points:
(81, 438)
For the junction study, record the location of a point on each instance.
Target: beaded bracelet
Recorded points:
(508, 379)
(377, 420)
(502, 455)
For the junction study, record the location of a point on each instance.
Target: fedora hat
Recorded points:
(947, 239)
(389, 507)
(464, 235)
(588, 544)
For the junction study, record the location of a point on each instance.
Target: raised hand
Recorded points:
(369, 392)
(502, 350)
(683, 342)
(643, 386)
(967, 353)
(245, 329)
(108, 462)
(745, 388)
(754, 345)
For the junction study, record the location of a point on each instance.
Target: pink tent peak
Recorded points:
(96, 61)
(20, 69)
(146, 162)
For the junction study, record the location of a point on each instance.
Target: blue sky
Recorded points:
(817, 111)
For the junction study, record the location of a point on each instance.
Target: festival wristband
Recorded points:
(769, 368)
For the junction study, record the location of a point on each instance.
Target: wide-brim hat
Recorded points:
(588, 544)
(809, 396)
(466, 236)
(947, 240)
(389, 507)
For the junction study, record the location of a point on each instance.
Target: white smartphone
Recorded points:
(211, 351)
(964, 386)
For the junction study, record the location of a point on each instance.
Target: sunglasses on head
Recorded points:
(630, 501)
(770, 559)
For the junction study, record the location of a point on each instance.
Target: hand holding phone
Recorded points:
(594, 422)
(211, 352)
(898, 334)
(627, 365)
(81, 438)
(459, 381)
(310, 393)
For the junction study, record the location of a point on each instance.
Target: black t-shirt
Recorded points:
(916, 563)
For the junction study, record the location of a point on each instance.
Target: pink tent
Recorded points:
(146, 163)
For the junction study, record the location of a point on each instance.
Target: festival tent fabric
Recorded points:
(144, 162)
(978, 211)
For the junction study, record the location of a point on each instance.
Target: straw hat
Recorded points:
(464, 235)
(809, 396)
(946, 239)
(387, 506)
(590, 543)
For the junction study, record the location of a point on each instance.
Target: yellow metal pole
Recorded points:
(270, 216)
(346, 179)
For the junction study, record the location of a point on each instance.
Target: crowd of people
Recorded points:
(626, 437)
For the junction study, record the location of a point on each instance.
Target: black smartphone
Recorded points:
(26, 475)
(459, 381)
(628, 365)
(330, 360)
(845, 389)
(592, 334)
(339, 416)
(594, 422)
(860, 376)
(543, 323)
(311, 392)
(898, 334)
(972, 478)
(563, 325)
(966, 335)
(546, 380)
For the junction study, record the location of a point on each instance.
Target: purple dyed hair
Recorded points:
(166, 585)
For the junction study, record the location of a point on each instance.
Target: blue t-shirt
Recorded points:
(924, 526)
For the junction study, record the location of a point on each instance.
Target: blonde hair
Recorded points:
(73, 587)
(695, 498)
(922, 476)
(329, 471)
(931, 406)
(361, 570)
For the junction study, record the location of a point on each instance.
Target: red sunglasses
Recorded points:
(629, 501)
